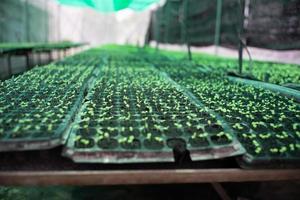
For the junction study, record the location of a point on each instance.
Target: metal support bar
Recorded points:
(39, 58)
(46, 20)
(241, 34)
(31, 59)
(9, 65)
(189, 51)
(157, 46)
(184, 31)
(27, 21)
(58, 54)
(218, 25)
(27, 55)
(150, 25)
(166, 22)
(240, 57)
(50, 56)
(58, 22)
(65, 53)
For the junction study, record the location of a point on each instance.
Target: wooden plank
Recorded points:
(121, 177)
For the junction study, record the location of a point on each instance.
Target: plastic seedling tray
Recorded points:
(274, 149)
(289, 92)
(286, 144)
(141, 122)
(43, 138)
(266, 123)
(268, 159)
(282, 147)
(146, 147)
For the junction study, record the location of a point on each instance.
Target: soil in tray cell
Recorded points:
(45, 131)
(204, 115)
(205, 120)
(213, 128)
(129, 123)
(192, 130)
(84, 142)
(232, 119)
(221, 139)
(2, 134)
(275, 127)
(259, 127)
(112, 131)
(131, 144)
(19, 134)
(274, 147)
(154, 143)
(150, 124)
(295, 127)
(154, 131)
(175, 142)
(169, 123)
(292, 126)
(164, 117)
(108, 143)
(193, 123)
(109, 123)
(251, 149)
(94, 123)
(289, 114)
(294, 150)
(240, 127)
(87, 131)
(173, 132)
(198, 142)
(128, 131)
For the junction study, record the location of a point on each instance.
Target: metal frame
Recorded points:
(28, 53)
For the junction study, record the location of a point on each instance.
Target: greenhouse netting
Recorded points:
(110, 5)
(260, 23)
(102, 99)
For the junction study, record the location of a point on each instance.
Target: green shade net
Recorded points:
(110, 5)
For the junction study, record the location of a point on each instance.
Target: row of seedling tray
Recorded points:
(266, 123)
(127, 107)
(133, 114)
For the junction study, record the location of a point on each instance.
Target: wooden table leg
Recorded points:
(221, 191)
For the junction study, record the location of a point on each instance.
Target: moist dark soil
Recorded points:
(173, 132)
(173, 142)
(109, 143)
(79, 144)
(213, 128)
(153, 144)
(135, 144)
(220, 139)
(199, 142)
